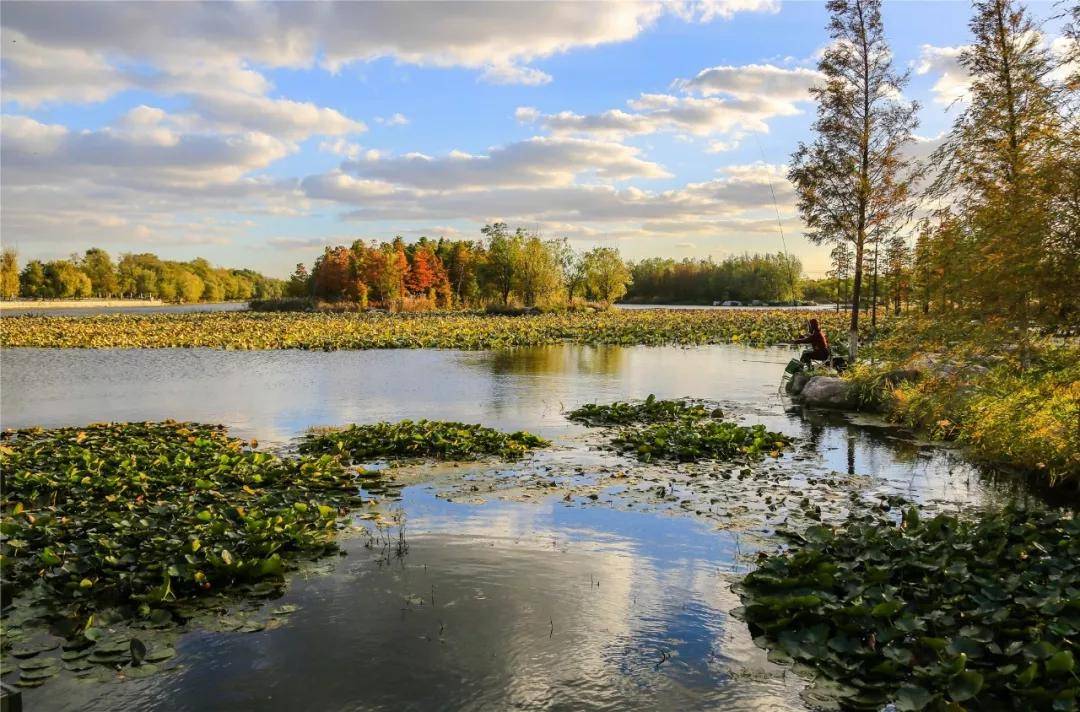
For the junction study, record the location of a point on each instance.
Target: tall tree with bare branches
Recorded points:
(853, 181)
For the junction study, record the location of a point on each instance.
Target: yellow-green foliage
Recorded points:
(457, 330)
(980, 395)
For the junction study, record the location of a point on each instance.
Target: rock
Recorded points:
(797, 383)
(828, 392)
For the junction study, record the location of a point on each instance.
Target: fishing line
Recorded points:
(779, 223)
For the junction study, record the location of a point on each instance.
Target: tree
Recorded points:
(606, 275)
(422, 271)
(98, 266)
(537, 274)
(851, 182)
(842, 262)
(502, 259)
(1008, 166)
(32, 280)
(63, 280)
(9, 274)
(299, 284)
(333, 273)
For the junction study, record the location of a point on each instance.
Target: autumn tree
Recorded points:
(537, 273)
(332, 274)
(851, 181)
(1008, 169)
(606, 275)
(9, 274)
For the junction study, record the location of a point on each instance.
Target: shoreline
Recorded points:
(78, 304)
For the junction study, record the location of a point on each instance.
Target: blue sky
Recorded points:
(255, 134)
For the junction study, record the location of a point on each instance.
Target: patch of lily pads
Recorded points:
(650, 410)
(437, 439)
(954, 612)
(681, 430)
(690, 441)
(138, 521)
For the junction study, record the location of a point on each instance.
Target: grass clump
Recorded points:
(690, 440)
(147, 514)
(950, 613)
(651, 410)
(421, 438)
(1011, 408)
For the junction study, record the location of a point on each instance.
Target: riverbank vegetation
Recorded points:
(142, 276)
(949, 613)
(422, 438)
(376, 330)
(995, 270)
(744, 278)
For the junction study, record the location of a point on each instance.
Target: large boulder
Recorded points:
(829, 392)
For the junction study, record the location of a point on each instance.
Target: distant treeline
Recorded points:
(744, 278)
(147, 276)
(503, 268)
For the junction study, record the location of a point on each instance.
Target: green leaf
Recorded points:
(965, 685)
(911, 698)
(1060, 663)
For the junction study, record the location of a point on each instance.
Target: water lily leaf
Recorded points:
(1060, 663)
(911, 698)
(965, 685)
(157, 655)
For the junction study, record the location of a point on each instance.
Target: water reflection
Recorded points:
(542, 605)
(494, 607)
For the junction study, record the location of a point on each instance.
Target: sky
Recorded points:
(254, 134)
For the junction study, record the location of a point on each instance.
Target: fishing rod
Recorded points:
(779, 223)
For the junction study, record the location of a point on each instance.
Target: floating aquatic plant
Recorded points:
(946, 614)
(455, 330)
(650, 410)
(691, 440)
(421, 438)
(150, 513)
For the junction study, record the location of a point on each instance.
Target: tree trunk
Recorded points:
(856, 295)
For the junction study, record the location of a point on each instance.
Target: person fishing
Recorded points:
(819, 344)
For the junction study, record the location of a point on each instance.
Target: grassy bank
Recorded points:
(1007, 407)
(456, 330)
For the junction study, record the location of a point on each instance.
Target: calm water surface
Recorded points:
(499, 603)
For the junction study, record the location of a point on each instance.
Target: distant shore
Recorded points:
(77, 303)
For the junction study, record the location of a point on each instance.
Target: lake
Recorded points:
(576, 579)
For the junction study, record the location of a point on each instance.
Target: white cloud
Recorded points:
(283, 118)
(731, 100)
(499, 39)
(953, 82)
(538, 161)
(514, 74)
(753, 80)
(398, 119)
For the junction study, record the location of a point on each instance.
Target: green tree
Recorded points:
(606, 275)
(537, 272)
(851, 181)
(32, 280)
(299, 284)
(9, 274)
(63, 280)
(502, 260)
(98, 266)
